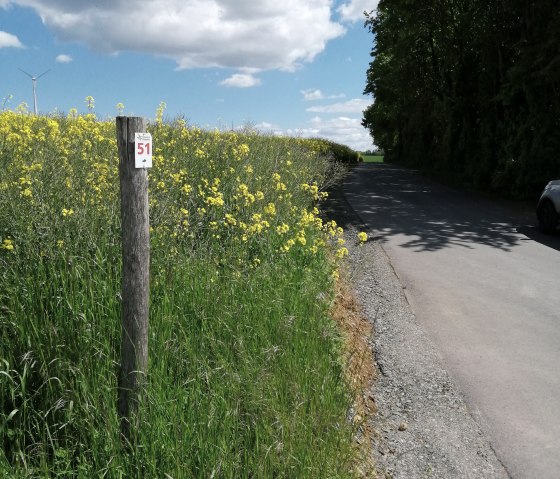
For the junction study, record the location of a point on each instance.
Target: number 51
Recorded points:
(143, 149)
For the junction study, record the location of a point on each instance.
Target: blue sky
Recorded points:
(294, 67)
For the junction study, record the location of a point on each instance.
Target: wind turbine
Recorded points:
(34, 81)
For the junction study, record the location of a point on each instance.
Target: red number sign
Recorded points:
(142, 150)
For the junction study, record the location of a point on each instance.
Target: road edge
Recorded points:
(423, 426)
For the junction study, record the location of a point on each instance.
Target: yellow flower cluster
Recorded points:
(7, 244)
(218, 193)
(270, 209)
(241, 152)
(244, 195)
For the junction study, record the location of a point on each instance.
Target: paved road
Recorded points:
(485, 286)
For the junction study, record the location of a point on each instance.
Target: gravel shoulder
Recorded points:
(423, 428)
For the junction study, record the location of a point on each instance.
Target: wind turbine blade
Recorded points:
(44, 73)
(23, 71)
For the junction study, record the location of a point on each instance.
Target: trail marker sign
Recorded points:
(142, 150)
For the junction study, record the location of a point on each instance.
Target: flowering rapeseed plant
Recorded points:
(207, 189)
(230, 212)
(240, 195)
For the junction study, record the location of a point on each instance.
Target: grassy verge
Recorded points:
(245, 370)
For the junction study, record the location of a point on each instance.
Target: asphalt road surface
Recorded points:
(485, 285)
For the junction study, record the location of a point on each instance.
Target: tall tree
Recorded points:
(469, 89)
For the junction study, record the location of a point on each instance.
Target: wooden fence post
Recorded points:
(135, 274)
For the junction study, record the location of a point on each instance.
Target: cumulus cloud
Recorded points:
(315, 94)
(356, 105)
(63, 58)
(309, 95)
(9, 40)
(265, 125)
(269, 128)
(343, 130)
(353, 10)
(241, 34)
(241, 80)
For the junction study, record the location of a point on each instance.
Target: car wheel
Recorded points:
(548, 218)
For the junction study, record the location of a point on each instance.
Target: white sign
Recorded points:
(142, 150)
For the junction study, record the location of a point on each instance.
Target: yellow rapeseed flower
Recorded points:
(241, 151)
(217, 200)
(341, 252)
(230, 220)
(270, 209)
(7, 244)
(287, 246)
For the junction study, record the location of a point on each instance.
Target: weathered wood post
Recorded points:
(135, 274)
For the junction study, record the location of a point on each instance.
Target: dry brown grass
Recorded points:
(360, 371)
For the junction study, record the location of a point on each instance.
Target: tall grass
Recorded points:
(244, 376)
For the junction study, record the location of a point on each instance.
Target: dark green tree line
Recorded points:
(469, 89)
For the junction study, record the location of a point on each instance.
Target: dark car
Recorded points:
(548, 209)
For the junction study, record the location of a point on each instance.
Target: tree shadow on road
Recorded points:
(428, 216)
(338, 209)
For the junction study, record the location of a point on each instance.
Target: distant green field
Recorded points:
(372, 158)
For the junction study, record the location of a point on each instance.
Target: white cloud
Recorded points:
(9, 40)
(354, 9)
(356, 105)
(309, 95)
(343, 130)
(269, 128)
(265, 126)
(241, 80)
(241, 34)
(63, 58)
(316, 94)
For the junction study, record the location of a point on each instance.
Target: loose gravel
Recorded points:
(423, 426)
